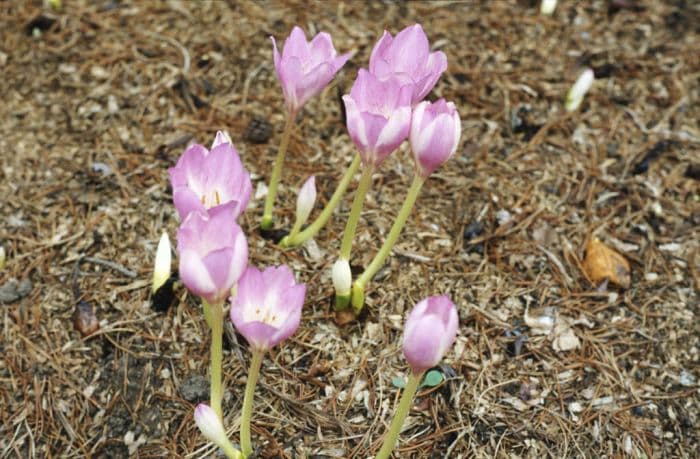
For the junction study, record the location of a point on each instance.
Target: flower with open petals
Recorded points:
(213, 252)
(435, 133)
(267, 306)
(407, 56)
(378, 116)
(430, 331)
(203, 179)
(305, 68)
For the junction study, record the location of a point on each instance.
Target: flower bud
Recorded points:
(306, 200)
(430, 331)
(575, 95)
(161, 272)
(342, 277)
(547, 7)
(213, 430)
(435, 133)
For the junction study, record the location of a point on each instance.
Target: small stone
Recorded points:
(195, 388)
(258, 131)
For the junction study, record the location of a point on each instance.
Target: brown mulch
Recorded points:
(100, 98)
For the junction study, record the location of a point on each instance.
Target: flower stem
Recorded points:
(355, 211)
(256, 361)
(310, 231)
(217, 331)
(266, 223)
(230, 451)
(400, 416)
(358, 287)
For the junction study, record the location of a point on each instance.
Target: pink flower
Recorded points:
(435, 133)
(378, 116)
(305, 68)
(430, 331)
(213, 252)
(407, 56)
(267, 306)
(204, 179)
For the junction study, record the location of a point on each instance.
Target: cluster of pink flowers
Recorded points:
(386, 101)
(211, 189)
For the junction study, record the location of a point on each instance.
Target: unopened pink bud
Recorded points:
(435, 133)
(430, 331)
(306, 200)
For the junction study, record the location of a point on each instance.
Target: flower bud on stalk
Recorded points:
(430, 330)
(342, 282)
(305, 204)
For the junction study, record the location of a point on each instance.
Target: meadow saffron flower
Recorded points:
(203, 179)
(267, 306)
(213, 252)
(378, 116)
(435, 133)
(407, 57)
(305, 68)
(430, 331)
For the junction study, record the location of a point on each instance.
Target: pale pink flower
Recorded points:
(407, 57)
(435, 132)
(305, 68)
(213, 252)
(267, 306)
(204, 179)
(378, 116)
(430, 331)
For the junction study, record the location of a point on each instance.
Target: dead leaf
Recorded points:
(84, 319)
(603, 263)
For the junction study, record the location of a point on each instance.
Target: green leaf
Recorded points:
(432, 379)
(399, 382)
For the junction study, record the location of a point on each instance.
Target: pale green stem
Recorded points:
(207, 312)
(310, 231)
(358, 287)
(266, 223)
(355, 211)
(217, 332)
(400, 416)
(256, 361)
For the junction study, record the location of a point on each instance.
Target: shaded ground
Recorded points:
(99, 100)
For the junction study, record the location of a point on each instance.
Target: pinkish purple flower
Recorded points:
(430, 331)
(305, 68)
(267, 306)
(407, 56)
(378, 116)
(213, 252)
(435, 133)
(204, 179)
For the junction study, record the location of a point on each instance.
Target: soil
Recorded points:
(100, 97)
